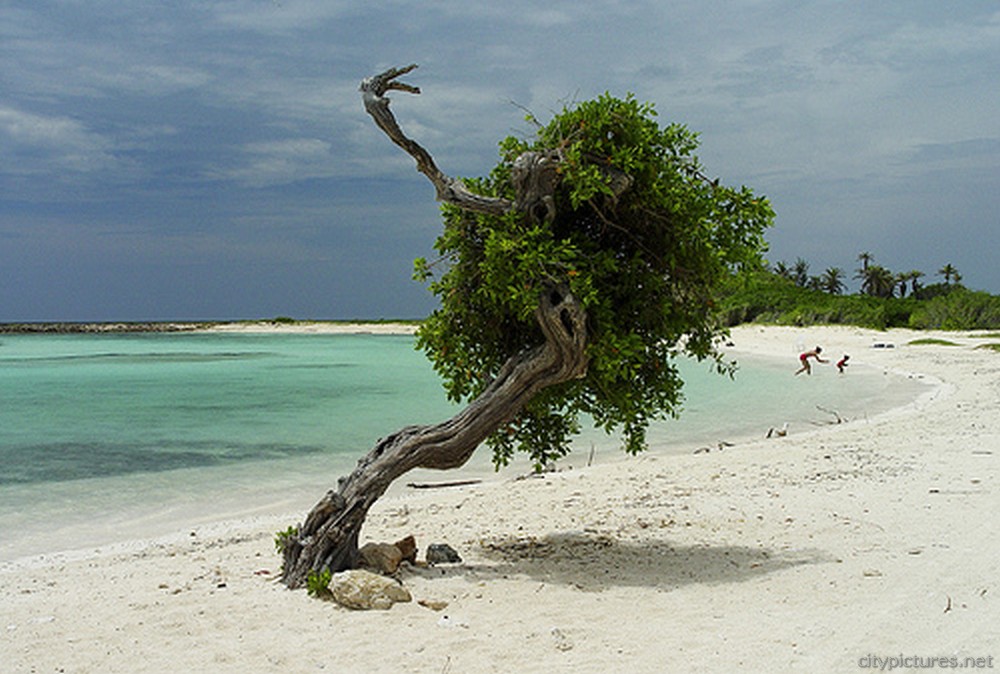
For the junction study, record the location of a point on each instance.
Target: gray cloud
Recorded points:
(217, 133)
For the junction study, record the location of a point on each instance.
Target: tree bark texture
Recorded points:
(328, 539)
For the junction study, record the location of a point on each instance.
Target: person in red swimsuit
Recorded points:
(804, 359)
(842, 363)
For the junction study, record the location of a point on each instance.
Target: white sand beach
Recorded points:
(819, 551)
(315, 327)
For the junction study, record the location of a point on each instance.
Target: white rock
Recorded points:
(360, 589)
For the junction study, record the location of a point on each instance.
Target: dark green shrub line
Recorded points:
(765, 297)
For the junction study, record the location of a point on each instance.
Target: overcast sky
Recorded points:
(212, 159)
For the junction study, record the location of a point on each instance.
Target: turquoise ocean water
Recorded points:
(111, 437)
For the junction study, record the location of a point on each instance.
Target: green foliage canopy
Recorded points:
(645, 265)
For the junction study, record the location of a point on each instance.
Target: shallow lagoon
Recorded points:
(111, 437)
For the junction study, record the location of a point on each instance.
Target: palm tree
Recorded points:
(782, 270)
(832, 280)
(877, 281)
(865, 258)
(950, 273)
(915, 281)
(801, 273)
(902, 279)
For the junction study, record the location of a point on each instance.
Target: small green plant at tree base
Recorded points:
(318, 584)
(281, 539)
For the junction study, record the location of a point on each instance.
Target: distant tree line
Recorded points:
(790, 295)
(876, 280)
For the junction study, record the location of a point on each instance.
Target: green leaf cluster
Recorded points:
(646, 265)
(281, 538)
(318, 584)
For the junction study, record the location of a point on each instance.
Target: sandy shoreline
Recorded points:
(316, 327)
(804, 553)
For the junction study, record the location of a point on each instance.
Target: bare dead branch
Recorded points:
(449, 190)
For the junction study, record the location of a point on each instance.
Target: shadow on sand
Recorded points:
(593, 562)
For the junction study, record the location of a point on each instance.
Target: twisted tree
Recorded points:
(572, 277)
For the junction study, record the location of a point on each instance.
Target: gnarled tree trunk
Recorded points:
(329, 536)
